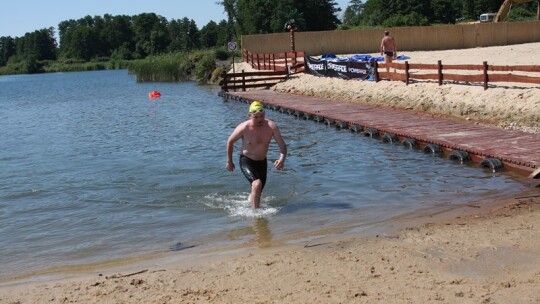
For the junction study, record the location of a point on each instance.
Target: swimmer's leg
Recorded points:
(256, 191)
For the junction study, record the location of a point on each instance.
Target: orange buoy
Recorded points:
(154, 94)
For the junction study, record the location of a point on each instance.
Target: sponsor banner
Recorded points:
(360, 70)
(342, 69)
(337, 69)
(315, 66)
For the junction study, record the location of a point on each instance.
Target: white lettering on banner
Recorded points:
(357, 71)
(337, 67)
(316, 67)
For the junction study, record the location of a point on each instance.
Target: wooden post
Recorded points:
(293, 48)
(292, 28)
(285, 59)
(258, 62)
(439, 72)
(243, 81)
(376, 71)
(407, 75)
(273, 61)
(224, 86)
(486, 78)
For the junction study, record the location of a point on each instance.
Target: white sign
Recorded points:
(232, 46)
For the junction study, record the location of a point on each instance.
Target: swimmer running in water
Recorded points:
(256, 134)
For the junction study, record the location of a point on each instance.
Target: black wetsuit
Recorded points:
(254, 169)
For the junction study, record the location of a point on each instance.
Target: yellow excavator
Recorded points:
(507, 4)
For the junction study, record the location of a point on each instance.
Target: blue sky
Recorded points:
(19, 17)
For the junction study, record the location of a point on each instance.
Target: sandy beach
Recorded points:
(508, 105)
(484, 252)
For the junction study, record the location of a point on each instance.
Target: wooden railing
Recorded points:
(245, 80)
(489, 73)
(275, 62)
(274, 68)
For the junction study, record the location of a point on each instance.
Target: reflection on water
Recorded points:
(263, 235)
(258, 233)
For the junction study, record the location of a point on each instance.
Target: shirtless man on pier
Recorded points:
(388, 48)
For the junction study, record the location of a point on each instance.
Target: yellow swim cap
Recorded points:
(256, 107)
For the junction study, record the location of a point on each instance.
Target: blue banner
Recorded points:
(343, 69)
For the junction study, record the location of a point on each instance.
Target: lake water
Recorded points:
(92, 170)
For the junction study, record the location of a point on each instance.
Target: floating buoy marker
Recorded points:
(154, 94)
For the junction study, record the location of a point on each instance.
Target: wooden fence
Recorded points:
(278, 67)
(489, 73)
(245, 80)
(274, 68)
(275, 62)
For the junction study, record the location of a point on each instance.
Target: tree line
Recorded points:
(394, 13)
(136, 37)
(117, 37)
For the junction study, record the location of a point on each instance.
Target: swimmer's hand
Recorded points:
(279, 164)
(230, 166)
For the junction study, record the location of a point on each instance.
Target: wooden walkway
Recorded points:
(457, 139)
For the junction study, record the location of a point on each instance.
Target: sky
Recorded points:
(19, 17)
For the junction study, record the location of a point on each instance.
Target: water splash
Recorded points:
(237, 205)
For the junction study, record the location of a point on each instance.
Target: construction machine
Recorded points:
(507, 4)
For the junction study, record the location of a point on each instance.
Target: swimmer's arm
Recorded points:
(280, 163)
(235, 136)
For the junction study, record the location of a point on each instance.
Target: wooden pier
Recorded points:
(453, 138)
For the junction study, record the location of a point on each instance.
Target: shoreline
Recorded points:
(403, 253)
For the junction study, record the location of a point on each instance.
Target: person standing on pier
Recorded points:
(256, 134)
(388, 49)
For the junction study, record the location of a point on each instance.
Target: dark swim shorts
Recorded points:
(389, 53)
(254, 169)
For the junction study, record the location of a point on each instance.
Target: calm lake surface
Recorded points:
(93, 170)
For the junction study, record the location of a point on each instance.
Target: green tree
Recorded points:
(419, 12)
(526, 11)
(226, 32)
(486, 6)
(444, 11)
(269, 16)
(150, 34)
(209, 35)
(351, 16)
(253, 16)
(7, 49)
(184, 35)
(320, 15)
(82, 43)
(38, 45)
(372, 14)
(116, 35)
(230, 25)
(411, 19)
(468, 10)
